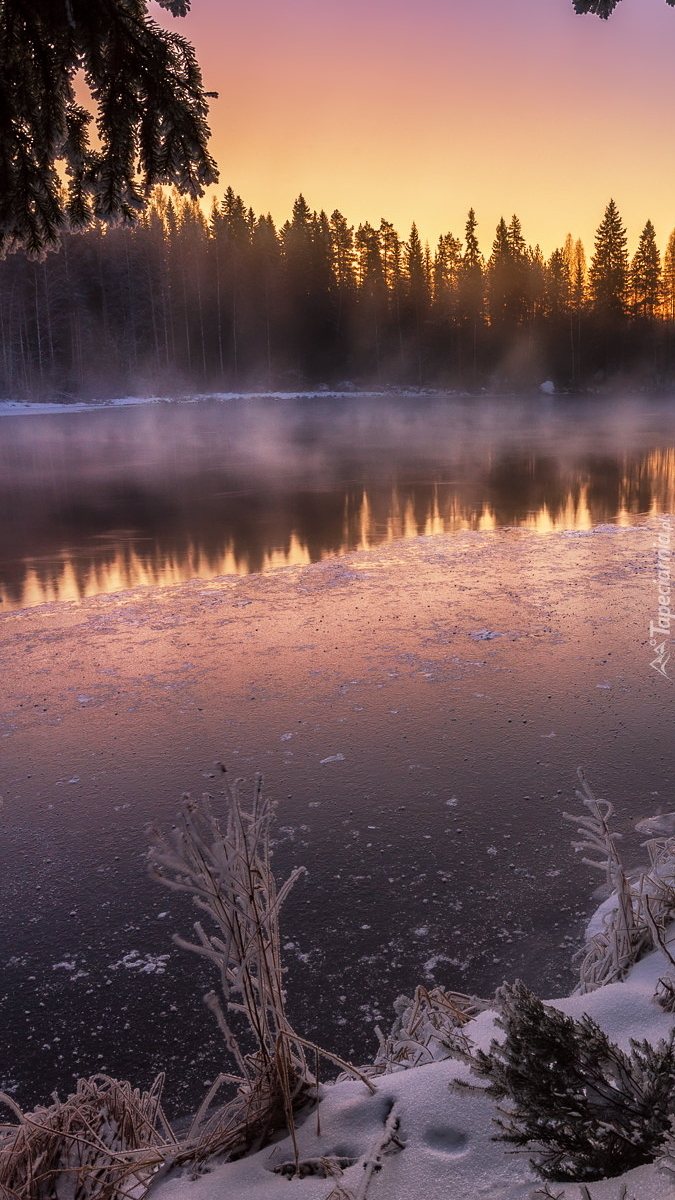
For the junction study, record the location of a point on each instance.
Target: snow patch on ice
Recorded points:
(145, 964)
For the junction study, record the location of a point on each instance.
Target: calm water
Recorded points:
(419, 709)
(94, 502)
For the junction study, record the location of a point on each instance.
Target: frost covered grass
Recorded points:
(636, 916)
(585, 1085)
(104, 1141)
(227, 872)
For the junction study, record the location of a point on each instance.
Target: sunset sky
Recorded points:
(418, 111)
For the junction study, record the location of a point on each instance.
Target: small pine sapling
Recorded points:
(583, 1108)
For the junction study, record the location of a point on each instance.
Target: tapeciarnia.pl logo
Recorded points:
(659, 630)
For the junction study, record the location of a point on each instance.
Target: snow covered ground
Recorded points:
(448, 1147)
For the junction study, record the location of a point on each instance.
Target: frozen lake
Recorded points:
(418, 697)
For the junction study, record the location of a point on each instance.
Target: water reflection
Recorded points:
(101, 501)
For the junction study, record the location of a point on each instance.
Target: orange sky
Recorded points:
(417, 111)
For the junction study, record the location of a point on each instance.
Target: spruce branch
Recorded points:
(582, 1107)
(148, 101)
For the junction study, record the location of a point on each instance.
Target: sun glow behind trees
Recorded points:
(419, 111)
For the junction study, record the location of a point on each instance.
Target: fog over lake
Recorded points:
(161, 493)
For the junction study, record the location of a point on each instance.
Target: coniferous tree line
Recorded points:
(186, 301)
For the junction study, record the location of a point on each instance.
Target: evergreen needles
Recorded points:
(150, 115)
(583, 1108)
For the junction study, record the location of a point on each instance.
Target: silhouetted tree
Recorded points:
(534, 282)
(499, 274)
(558, 285)
(601, 8)
(669, 276)
(230, 300)
(645, 273)
(507, 274)
(579, 275)
(470, 298)
(470, 294)
(445, 275)
(308, 288)
(342, 252)
(609, 266)
(372, 297)
(267, 293)
(417, 297)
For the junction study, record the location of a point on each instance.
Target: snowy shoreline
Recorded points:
(541, 393)
(575, 1104)
(448, 1138)
(27, 408)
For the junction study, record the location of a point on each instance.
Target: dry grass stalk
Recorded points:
(104, 1142)
(643, 908)
(428, 1027)
(386, 1143)
(665, 993)
(227, 872)
(610, 952)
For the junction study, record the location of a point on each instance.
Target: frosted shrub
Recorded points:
(582, 1107)
(644, 906)
(105, 1142)
(428, 1027)
(226, 869)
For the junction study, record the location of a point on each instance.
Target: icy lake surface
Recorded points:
(418, 698)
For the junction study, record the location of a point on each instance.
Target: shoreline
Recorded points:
(395, 392)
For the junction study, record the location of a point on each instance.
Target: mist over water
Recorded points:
(107, 499)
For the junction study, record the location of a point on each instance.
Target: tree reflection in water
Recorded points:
(108, 499)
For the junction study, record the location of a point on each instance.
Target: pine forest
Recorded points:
(182, 301)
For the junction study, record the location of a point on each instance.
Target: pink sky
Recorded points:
(418, 111)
